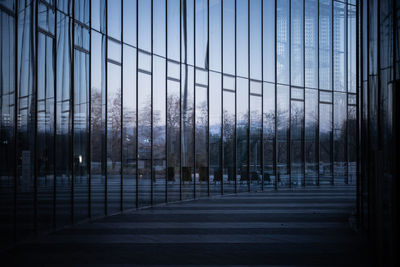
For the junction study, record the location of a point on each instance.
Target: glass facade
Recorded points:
(108, 105)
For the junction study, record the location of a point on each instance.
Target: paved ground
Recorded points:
(301, 227)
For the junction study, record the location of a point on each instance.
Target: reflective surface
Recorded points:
(112, 105)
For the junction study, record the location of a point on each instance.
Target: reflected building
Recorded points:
(113, 105)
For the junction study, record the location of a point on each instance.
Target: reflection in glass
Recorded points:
(173, 37)
(282, 42)
(282, 117)
(98, 123)
(311, 43)
(144, 25)
(296, 141)
(229, 143)
(255, 140)
(339, 46)
(339, 138)
(45, 130)
(325, 138)
(242, 124)
(255, 39)
(242, 35)
(269, 133)
(325, 46)
(113, 137)
(158, 27)
(215, 133)
(215, 34)
(311, 132)
(129, 23)
(201, 37)
(129, 127)
(297, 42)
(187, 102)
(269, 40)
(229, 36)
(80, 135)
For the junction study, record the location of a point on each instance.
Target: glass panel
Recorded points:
(325, 96)
(351, 49)
(282, 42)
(269, 40)
(98, 123)
(187, 131)
(311, 131)
(255, 142)
(311, 43)
(7, 127)
(255, 39)
(242, 122)
(159, 130)
(46, 18)
(352, 144)
(66, 5)
(81, 11)
(144, 25)
(242, 44)
(63, 123)
(45, 131)
(113, 138)
(187, 25)
(129, 23)
(114, 50)
(297, 42)
(339, 46)
(325, 148)
(297, 93)
(269, 133)
(159, 27)
(99, 15)
(129, 128)
(296, 143)
(215, 34)
(173, 36)
(339, 138)
(81, 130)
(229, 144)
(114, 19)
(173, 140)
(215, 133)
(201, 38)
(201, 141)
(144, 138)
(282, 134)
(228, 36)
(325, 44)
(81, 37)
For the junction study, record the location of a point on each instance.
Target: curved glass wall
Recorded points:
(109, 105)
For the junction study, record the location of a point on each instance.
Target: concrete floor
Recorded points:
(299, 227)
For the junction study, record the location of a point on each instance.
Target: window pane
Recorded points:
(242, 122)
(114, 19)
(215, 35)
(282, 42)
(173, 36)
(296, 140)
(81, 130)
(255, 39)
(215, 133)
(311, 44)
(129, 23)
(311, 131)
(98, 15)
(187, 25)
(282, 134)
(297, 42)
(159, 27)
(255, 142)
(325, 44)
(98, 113)
(242, 38)
(339, 44)
(159, 130)
(129, 128)
(201, 34)
(325, 137)
(351, 49)
(229, 143)
(269, 40)
(113, 137)
(144, 27)
(339, 138)
(229, 36)
(81, 11)
(269, 133)
(187, 102)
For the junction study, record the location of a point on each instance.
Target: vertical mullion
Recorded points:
(346, 83)
(248, 95)
(359, 122)
(166, 100)
(235, 150)
(35, 164)
(180, 101)
(106, 119)
(333, 91)
(262, 95)
(289, 164)
(55, 118)
(276, 101)
(151, 112)
(194, 101)
(15, 124)
(303, 131)
(90, 113)
(137, 103)
(72, 111)
(221, 157)
(318, 108)
(122, 109)
(208, 98)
